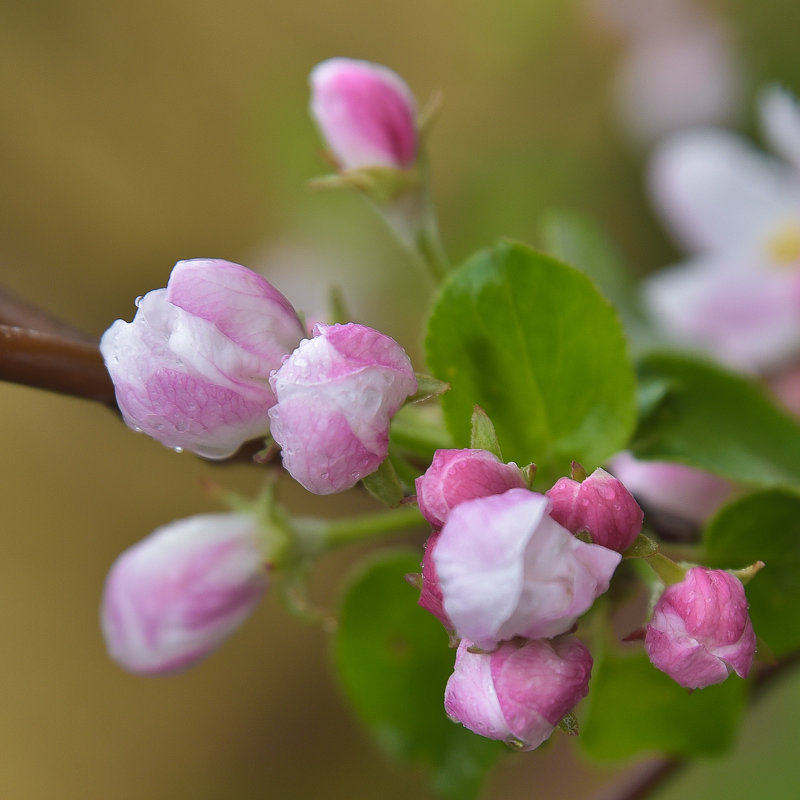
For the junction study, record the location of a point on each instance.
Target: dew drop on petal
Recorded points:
(178, 449)
(138, 301)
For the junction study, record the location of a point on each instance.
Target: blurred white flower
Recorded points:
(737, 210)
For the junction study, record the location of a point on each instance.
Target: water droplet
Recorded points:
(178, 449)
(181, 425)
(137, 429)
(138, 301)
(116, 358)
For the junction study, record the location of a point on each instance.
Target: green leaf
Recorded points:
(532, 342)
(578, 240)
(705, 417)
(393, 662)
(764, 526)
(634, 708)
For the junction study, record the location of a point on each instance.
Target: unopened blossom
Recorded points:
(737, 211)
(506, 568)
(458, 475)
(365, 112)
(337, 393)
(700, 631)
(601, 506)
(675, 489)
(171, 599)
(430, 596)
(192, 369)
(519, 692)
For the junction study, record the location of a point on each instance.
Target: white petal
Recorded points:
(780, 120)
(718, 193)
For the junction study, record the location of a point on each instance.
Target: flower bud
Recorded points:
(601, 506)
(365, 112)
(670, 488)
(430, 596)
(171, 599)
(192, 369)
(519, 692)
(458, 475)
(336, 396)
(507, 569)
(700, 630)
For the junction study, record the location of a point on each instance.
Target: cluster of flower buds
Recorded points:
(208, 361)
(213, 360)
(509, 572)
(506, 574)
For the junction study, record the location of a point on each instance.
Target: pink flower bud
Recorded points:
(365, 112)
(430, 596)
(701, 630)
(507, 569)
(336, 396)
(519, 692)
(172, 598)
(600, 505)
(192, 369)
(670, 488)
(458, 475)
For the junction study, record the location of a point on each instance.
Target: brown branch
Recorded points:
(56, 363)
(19, 313)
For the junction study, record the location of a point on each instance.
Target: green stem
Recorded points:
(315, 535)
(430, 249)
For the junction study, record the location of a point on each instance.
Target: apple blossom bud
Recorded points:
(507, 569)
(365, 112)
(192, 369)
(519, 692)
(430, 596)
(700, 630)
(601, 506)
(336, 396)
(171, 599)
(458, 475)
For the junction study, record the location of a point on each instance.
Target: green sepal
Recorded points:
(483, 435)
(384, 485)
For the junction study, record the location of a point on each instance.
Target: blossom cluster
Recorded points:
(509, 572)
(215, 359)
(219, 357)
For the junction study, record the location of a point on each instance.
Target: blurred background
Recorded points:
(133, 135)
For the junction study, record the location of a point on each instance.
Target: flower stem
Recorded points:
(315, 536)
